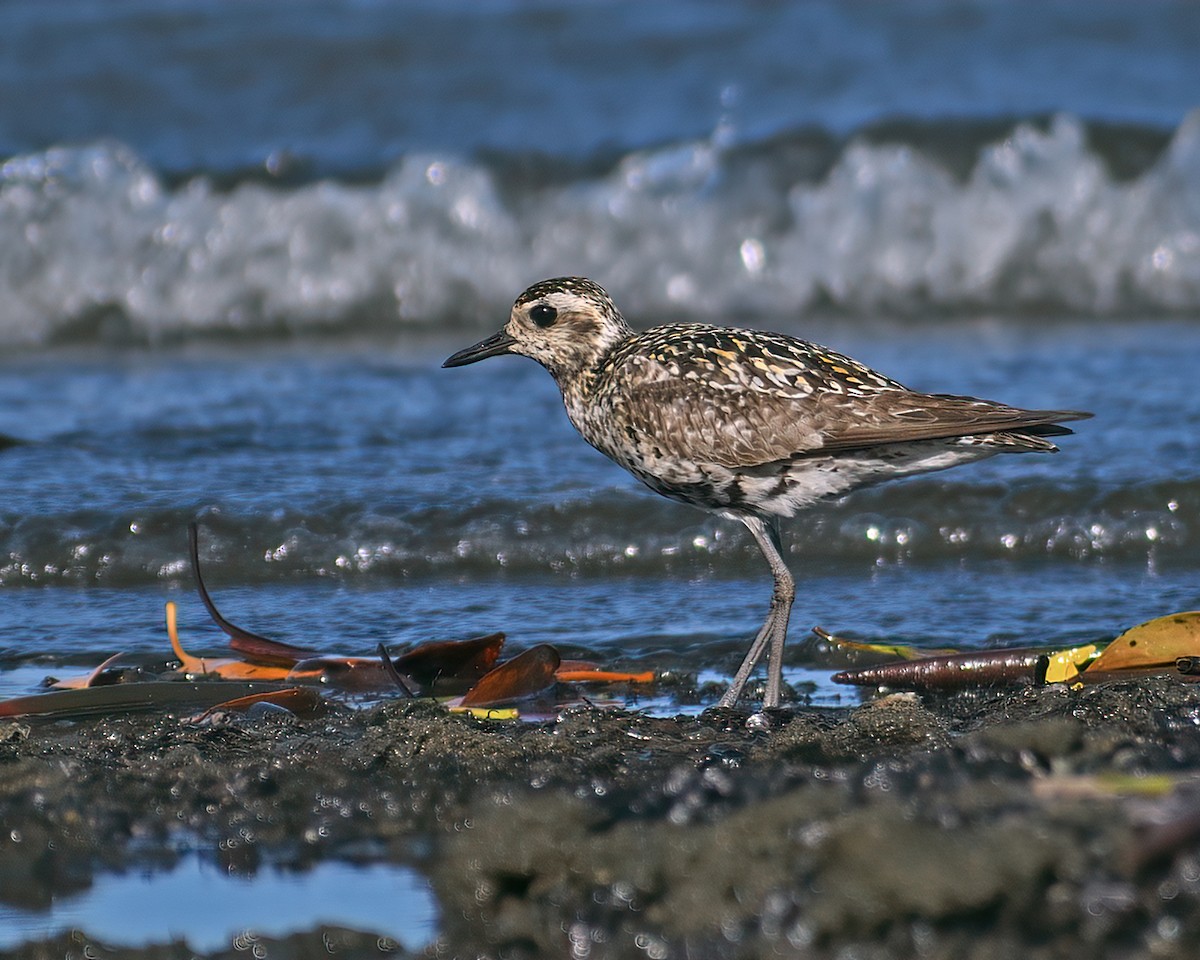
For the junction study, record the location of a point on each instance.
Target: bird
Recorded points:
(749, 425)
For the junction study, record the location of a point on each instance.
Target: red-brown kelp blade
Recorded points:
(252, 646)
(271, 653)
(299, 700)
(390, 671)
(523, 676)
(127, 698)
(461, 660)
(351, 674)
(440, 666)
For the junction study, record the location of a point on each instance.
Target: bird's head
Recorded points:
(566, 324)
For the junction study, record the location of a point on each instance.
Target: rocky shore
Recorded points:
(1019, 822)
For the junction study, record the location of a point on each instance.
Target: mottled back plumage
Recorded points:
(748, 424)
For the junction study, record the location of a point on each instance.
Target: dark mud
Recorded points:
(1033, 823)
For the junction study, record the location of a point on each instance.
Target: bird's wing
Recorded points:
(901, 417)
(740, 428)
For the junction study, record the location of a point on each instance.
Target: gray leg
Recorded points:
(774, 631)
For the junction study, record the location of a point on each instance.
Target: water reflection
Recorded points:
(211, 909)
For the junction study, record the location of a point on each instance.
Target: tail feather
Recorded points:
(1024, 441)
(1048, 430)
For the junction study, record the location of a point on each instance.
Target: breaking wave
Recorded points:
(612, 534)
(96, 245)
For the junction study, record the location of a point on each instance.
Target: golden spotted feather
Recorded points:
(738, 399)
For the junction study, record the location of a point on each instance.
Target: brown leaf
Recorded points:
(126, 698)
(390, 670)
(463, 660)
(352, 674)
(522, 676)
(296, 699)
(254, 647)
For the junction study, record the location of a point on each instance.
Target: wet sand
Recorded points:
(1034, 823)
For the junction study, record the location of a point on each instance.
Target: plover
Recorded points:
(749, 425)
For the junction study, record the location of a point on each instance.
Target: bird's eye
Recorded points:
(543, 314)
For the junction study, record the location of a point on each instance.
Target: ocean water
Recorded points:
(238, 238)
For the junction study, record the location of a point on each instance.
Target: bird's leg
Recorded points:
(774, 630)
(753, 655)
(781, 608)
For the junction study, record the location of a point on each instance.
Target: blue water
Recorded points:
(212, 910)
(237, 238)
(196, 85)
(350, 496)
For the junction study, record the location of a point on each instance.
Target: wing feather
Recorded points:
(703, 423)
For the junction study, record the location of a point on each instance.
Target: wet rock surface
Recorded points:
(1038, 823)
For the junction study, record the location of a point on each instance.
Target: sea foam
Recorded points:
(95, 243)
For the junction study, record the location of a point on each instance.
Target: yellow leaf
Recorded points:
(1065, 665)
(1101, 786)
(901, 651)
(488, 713)
(1155, 643)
